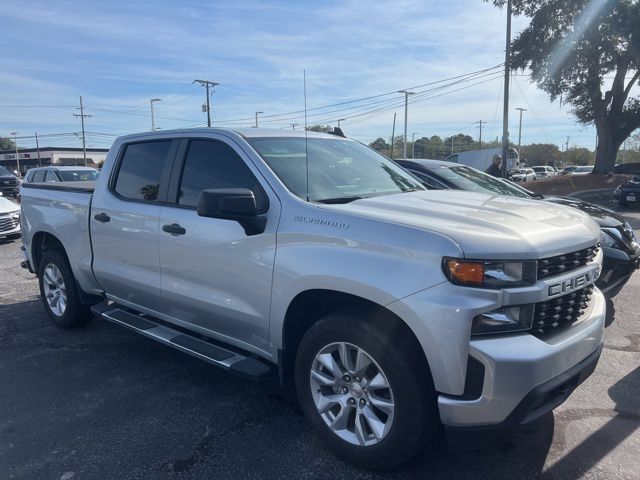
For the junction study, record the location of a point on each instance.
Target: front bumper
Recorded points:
(525, 376)
(617, 268)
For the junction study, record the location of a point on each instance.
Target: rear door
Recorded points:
(214, 276)
(124, 223)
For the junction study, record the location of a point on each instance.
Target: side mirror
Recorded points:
(237, 204)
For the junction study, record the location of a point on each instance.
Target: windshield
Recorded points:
(339, 170)
(472, 180)
(77, 175)
(4, 171)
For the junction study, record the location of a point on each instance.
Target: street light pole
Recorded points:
(340, 120)
(15, 144)
(505, 110)
(520, 127)
(153, 118)
(413, 144)
(406, 110)
(256, 126)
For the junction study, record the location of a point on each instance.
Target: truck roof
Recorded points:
(244, 132)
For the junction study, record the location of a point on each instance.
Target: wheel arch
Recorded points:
(310, 306)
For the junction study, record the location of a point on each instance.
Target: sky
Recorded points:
(118, 55)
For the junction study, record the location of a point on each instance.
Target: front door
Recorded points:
(214, 275)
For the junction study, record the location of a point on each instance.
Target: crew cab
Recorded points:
(389, 308)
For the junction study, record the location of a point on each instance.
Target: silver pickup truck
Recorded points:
(391, 309)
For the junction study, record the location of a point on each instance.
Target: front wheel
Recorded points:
(368, 395)
(59, 293)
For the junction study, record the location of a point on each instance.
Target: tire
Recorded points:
(57, 280)
(407, 426)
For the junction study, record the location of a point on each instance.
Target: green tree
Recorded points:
(570, 47)
(320, 128)
(577, 156)
(381, 145)
(540, 153)
(7, 144)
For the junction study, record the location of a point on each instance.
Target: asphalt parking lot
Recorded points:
(103, 402)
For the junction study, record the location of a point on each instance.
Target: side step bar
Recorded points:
(245, 366)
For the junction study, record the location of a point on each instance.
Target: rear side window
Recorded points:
(140, 170)
(212, 164)
(38, 176)
(50, 176)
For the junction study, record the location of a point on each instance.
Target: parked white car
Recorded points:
(543, 171)
(9, 219)
(523, 175)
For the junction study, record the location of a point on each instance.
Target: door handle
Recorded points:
(102, 217)
(174, 229)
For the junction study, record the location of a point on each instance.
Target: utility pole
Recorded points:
(451, 144)
(82, 117)
(566, 148)
(256, 125)
(413, 144)
(153, 118)
(207, 84)
(393, 134)
(15, 144)
(480, 122)
(505, 109)
(406, 110)
(38, 149)
(520, 127)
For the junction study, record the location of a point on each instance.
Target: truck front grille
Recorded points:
(560, 312)
(550, 266)
(8, 223)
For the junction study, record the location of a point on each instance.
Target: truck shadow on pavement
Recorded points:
(624, 421)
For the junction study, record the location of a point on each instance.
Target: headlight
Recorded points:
(506, 319)
(609, 238)
(489, 274)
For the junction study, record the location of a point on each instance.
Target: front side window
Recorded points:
(213, 164)
(140, 170)
(338, 170)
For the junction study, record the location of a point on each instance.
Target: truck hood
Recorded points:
(485, 226)
(6, 206)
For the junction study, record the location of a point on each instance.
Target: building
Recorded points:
(51, 156)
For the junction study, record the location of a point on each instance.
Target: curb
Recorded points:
(594, 192)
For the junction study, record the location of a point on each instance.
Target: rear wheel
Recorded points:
(59, 293)
(368, 395)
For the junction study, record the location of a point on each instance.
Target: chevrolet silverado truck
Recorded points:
(392, 310)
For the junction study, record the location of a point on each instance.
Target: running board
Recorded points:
(245, 366)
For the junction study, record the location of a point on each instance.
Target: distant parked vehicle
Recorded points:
(522, 175)
(9, 219)
(481, 159)
(584, 170)
(628, 192)
(544, 171)
(629, 168)
(60, 174)
(9, 183)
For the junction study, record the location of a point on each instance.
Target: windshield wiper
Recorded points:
(340, 199)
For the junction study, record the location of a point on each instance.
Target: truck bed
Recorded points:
(61, 209)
